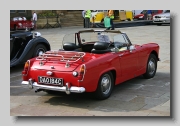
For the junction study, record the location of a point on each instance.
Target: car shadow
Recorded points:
(133, 95)
(17, 68)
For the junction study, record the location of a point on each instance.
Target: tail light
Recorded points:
(82, 72)
(26, 68)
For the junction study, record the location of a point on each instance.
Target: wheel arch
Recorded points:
(43, 43)
(155, 53)
(151, 66)
(30, 47)
(103, 94)
(113, 71)
(35, 45)
(114, 75)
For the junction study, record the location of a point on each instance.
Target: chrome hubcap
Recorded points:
(106, 84)
(151, 66)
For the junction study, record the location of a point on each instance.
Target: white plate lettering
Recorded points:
(50, 80)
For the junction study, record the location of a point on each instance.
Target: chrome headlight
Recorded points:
(36, 34)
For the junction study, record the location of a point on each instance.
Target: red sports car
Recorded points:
(17, 23)
(91, 61)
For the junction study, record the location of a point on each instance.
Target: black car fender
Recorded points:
(36, 41)
(29, 49)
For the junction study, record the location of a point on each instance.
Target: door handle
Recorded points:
(120, 55)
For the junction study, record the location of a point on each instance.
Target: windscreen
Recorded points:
(92, 37)
(101, 37)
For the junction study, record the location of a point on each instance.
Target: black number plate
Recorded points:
(50, 80)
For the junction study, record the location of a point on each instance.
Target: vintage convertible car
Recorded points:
(91, 61)
(25, 45)
(17, 23)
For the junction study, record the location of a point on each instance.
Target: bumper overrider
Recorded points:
(68, 88)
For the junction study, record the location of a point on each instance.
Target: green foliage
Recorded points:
(46, 13)
(28, 17)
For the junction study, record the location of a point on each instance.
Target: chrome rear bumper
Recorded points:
(68, 89)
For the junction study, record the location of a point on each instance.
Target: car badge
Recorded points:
(49, 73)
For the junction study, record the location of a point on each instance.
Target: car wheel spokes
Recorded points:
(151, 66)
(106, 84)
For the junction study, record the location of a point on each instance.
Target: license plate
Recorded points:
(50, 80)
(156, 19)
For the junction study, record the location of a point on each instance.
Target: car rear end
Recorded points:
(56, 71)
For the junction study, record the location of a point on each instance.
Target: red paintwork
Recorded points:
(129, 65)
(139, 15)
(25, 23)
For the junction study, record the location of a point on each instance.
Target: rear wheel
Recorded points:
(105, 86)
(151, 67)
(39, 49)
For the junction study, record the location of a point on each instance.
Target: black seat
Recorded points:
(69, 46)
(101, 47)
(87, 47)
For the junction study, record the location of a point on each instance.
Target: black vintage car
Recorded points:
(25, 45)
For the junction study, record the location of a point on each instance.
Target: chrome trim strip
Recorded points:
(74, 89)
(25, 83)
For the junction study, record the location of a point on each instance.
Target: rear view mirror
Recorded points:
(131, 48)
(115, 50)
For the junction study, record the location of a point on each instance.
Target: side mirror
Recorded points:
(115, 50)
(131, 48)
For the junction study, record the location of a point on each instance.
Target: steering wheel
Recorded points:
(110, 44)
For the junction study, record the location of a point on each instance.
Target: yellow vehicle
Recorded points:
(119, 15)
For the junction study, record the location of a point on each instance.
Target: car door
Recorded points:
(128, 63)
(128, 59)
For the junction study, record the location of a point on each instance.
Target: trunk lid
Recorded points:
(61, 61)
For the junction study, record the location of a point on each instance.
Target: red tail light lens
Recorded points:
(81, 72)
(26, 68)
(82, 69)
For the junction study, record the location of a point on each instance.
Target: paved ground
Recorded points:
(136, 97)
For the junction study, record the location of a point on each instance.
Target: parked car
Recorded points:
(91, 61)
(21, 23)
(163, 18)
(24, 46)
(143, 14)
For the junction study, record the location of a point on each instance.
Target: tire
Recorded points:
(151, 67)
(39, 49)
(105, 86)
